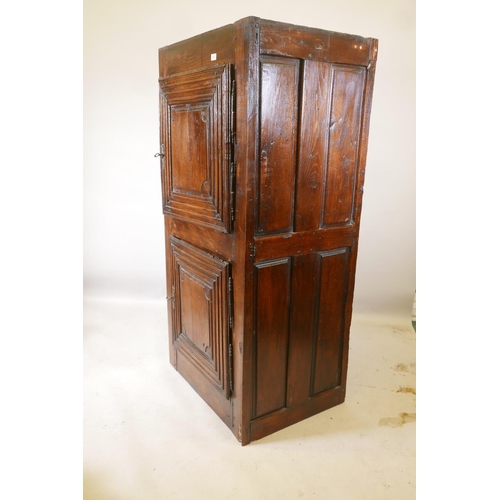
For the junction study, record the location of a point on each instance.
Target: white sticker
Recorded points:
(213, 57)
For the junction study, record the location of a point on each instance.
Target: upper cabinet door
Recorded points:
(196, 128)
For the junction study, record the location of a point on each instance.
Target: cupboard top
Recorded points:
(274, 38)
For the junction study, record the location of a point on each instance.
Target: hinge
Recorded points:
(232, 166)
(230, 333)
(233, 96)
(231, 388)
(230, 304)
(252, 251)
(232, 180)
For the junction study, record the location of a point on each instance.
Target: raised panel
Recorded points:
(272, 295)
(313, 146)
(195, 302)
(200, 318)
(196, 130)
(304, 283)
(190, 133)
(278, 143)
(300, 305)
(330, 319)
(345, 122)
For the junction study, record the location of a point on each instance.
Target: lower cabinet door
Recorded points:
(200, 326)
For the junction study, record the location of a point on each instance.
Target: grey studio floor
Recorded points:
(148, 435)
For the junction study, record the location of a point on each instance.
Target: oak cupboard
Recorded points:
(263, 137)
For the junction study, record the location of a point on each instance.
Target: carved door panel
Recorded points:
(196, 128)
(201, 324)
(310, 126)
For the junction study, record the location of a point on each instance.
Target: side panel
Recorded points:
(313, 156)
(345, 129)
(301, 306)
(304, 290)
(330, 319)
(278, 142)
(307, 221)
(271, 335)
(308, 173)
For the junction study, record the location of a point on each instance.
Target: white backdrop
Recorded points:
(123, 222)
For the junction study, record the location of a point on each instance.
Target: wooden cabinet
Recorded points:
(264, 130)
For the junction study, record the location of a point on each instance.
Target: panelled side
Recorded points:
(301, 306)
(310, 125)
(272, 299)
(311, 163)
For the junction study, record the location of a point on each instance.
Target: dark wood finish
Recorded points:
(314, 44)
(196, 107)
(303, 242)
(313, 158)
(246, 155)
(263, 132)
(200, 322)
(329, 321)
(200, 310)
(278, 142)
(345, 121)
(271, 335)
(304, 290)
(196, 52)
